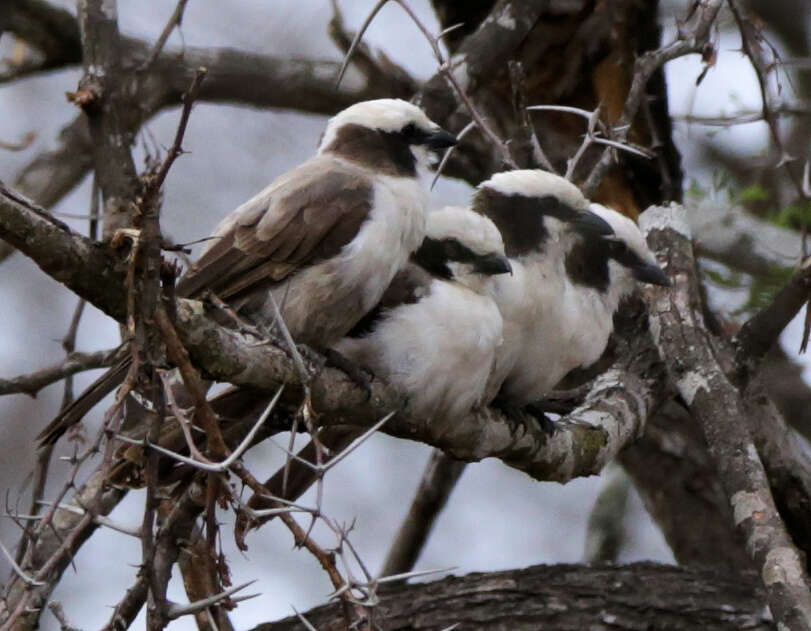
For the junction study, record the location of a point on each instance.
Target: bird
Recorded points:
(433, 337)
(323, 240)
(572, 264)
(435, 334)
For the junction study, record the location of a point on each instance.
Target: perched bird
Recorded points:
(572, 263)
(325, 238)
(435, 334)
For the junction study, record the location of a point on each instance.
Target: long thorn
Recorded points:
(357, 443)
(356, 41)
(176, 611)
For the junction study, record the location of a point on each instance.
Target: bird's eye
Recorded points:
(618, 247)
(409, 131)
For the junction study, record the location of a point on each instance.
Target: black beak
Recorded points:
(651, 273)
(492, 264)
(589, 224)
(440, 140)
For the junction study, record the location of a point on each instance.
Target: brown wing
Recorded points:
(305, 216)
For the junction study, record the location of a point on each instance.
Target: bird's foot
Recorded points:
(518, 417)
(537, 412)
(358, 375)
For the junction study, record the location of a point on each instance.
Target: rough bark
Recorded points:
(687, 349)
(677, 479)
(564, 598)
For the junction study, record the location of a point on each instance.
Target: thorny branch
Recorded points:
(696, 41)
(606, 426)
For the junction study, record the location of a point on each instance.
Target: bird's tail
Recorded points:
(76, 411)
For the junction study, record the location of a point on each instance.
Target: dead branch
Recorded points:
(74, 362)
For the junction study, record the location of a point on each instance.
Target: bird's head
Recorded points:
(628, 250)
(391, 135)
(463, 246)
(534, 208)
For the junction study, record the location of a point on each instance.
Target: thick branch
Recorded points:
(103, 95)
(687, 349)
(53, 31)
(674, 473)
(566, 598)
(761, 331)
(90, 270)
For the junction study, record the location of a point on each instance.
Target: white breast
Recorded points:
(438, 351)
(395, 229)
(550, 327)
(322, 303)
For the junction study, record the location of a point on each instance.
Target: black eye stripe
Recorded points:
(413, 135)
(434, 255)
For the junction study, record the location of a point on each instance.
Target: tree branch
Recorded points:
(74, 362)
(732, 236)
(567, 598)
(438, 481)
(686, 348)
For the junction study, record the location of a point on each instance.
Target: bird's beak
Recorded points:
(651, 273)
(440, 140)
(589, 224)
(493, 264)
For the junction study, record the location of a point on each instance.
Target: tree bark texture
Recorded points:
(641, 596)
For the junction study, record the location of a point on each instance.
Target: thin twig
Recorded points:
(517, 78)
(175, 21)
(176, 149)
(449, 152)
(74, 363)
(101, 520)
(180, 416)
